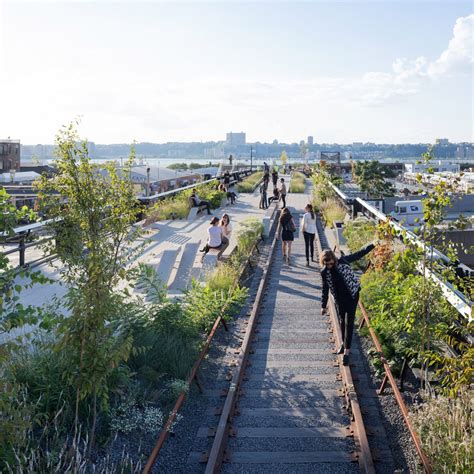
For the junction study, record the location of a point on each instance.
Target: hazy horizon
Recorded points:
(383, 72)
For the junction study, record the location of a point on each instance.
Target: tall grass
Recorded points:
(177, 207)
(248, 184)
(298, 183)
(332, 211)
(446, 429)
(324, 200)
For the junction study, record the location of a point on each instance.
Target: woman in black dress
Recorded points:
(286, 229)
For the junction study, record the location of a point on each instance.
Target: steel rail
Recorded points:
(192, 378)
(216, 453)
(388, 377)
(364, 455)
(398, 396)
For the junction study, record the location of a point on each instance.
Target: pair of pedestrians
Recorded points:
(287, 229)
(278, 194)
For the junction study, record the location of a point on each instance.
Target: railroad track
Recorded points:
(291, 406)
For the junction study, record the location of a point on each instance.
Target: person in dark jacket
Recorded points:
(339, 279)
(274, 178)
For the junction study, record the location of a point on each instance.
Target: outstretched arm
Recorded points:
(358, 255)
(325, 295)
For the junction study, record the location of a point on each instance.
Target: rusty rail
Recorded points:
(216, 454)
(390, 378)
(193, 377)
(364, 455)
(398, 396)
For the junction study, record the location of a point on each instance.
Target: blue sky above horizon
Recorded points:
(387, 72)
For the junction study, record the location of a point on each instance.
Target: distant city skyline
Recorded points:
(380, 72)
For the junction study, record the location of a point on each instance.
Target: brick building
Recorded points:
(9, 155)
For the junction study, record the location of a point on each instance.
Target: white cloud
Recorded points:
(409, 75)
(458, 56)
(133, 105)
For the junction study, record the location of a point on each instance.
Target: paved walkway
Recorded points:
(176, 240)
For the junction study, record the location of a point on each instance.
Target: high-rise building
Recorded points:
(235, 139)
(9, 155)
(310, 140)
(465, 151)
(442, 141)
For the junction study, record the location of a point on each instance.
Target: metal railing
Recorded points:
(166, 194)
(21, 234)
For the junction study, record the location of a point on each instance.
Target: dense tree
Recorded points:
(94, 246)
(372, 178)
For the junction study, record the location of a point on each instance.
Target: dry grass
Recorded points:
(249, 183)
(298, 183)
(446, 429)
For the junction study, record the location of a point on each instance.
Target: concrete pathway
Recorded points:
(167, 240)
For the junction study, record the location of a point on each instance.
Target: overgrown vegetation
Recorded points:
(105, 361)
(323, 199)
(248, 184)
(446, 426)
(177, 207)
(414, 322)
(298, 182)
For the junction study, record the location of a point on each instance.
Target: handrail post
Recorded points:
(22, 249)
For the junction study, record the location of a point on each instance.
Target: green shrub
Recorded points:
(357, 233)
(248, 184)
(177, 207)
(446, 430)
(249, 233)
(324, 199)
(298, 183)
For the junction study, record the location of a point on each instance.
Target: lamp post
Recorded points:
(251, 158)
(147, 182)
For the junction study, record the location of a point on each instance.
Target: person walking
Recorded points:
(339, 279)
(283, 192)
(309, 232)
(286, 230)
(215, 239)
(275, 178)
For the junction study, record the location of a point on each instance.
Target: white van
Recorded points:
(409, 213)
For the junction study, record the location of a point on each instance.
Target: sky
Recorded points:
(378, 71)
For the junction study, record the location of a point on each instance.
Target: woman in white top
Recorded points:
(226, 226)
(309, 232)
(215, 239)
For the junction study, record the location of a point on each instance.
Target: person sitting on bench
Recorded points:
(275, 197)
(199, 203)
(216, 239)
